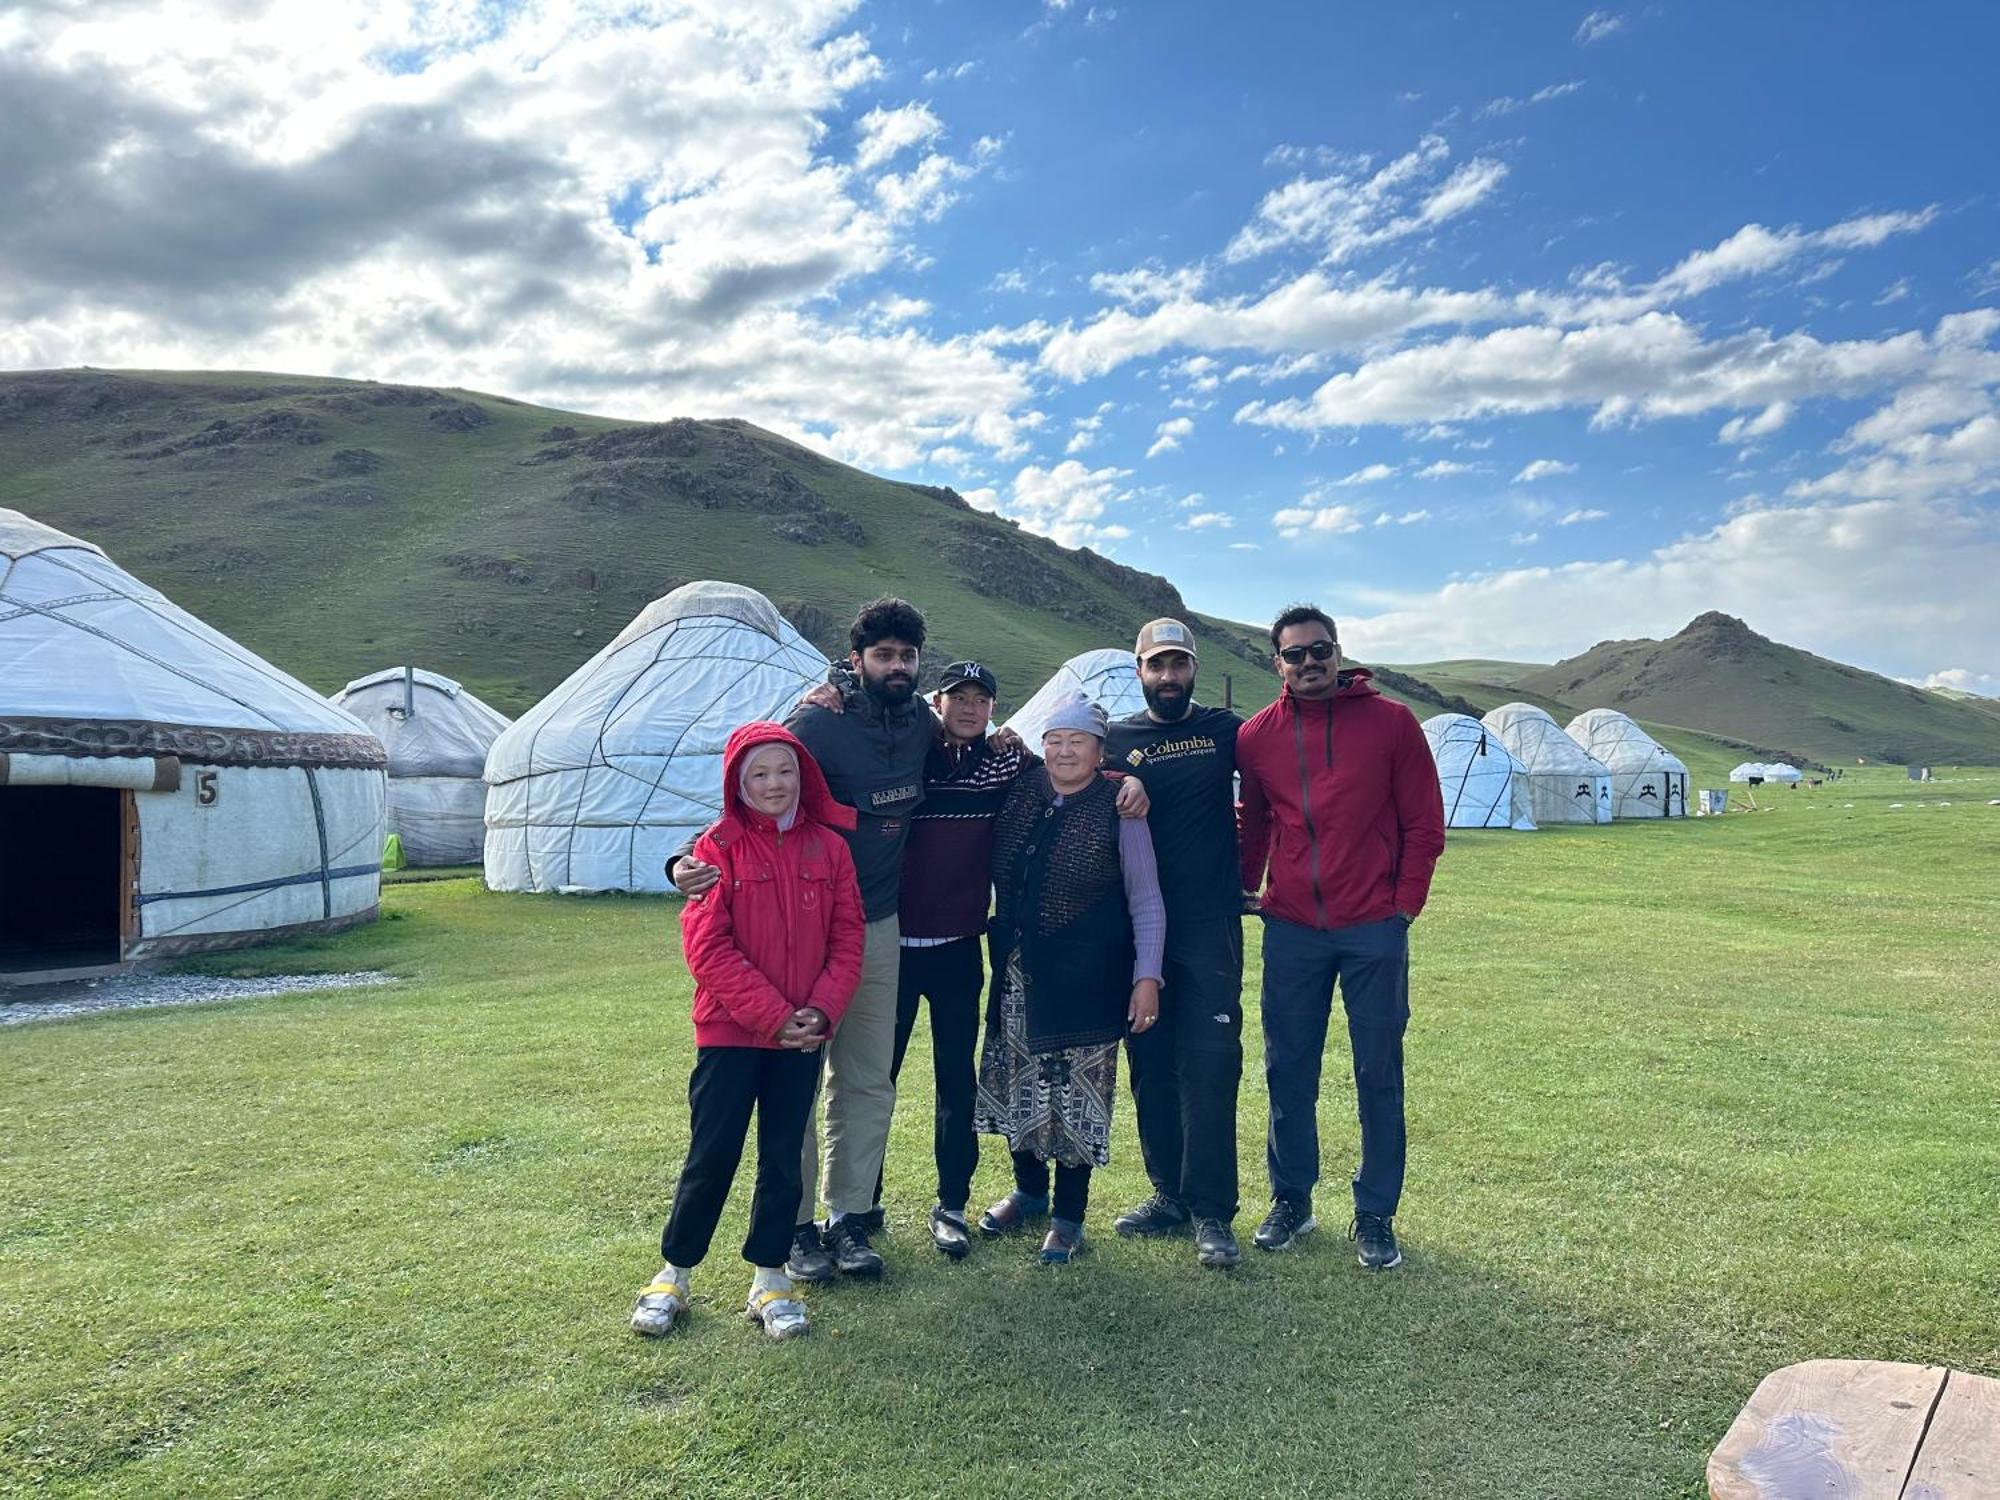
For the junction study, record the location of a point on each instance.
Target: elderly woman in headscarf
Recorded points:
(1077, 936)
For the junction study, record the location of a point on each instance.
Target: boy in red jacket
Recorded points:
(775, 951)
(1341, 802)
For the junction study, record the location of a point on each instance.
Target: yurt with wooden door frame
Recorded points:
(1647, 779)
(593, 787)
(437, 733)
(1566, 784)
(163, 789)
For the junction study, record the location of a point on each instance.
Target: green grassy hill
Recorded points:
(341, 526)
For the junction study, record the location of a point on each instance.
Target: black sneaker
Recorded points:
(1284, 1225)
(948, 1232)
(875, 1221)
(847, 1242)
(1159, 1214)
(1215, 1244)
(809, 1260)
(1374, 1242)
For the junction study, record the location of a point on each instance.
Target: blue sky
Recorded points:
(1497, 330)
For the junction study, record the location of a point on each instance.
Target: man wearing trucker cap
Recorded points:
(1185, 1069)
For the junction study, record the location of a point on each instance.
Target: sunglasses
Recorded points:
(1318, 651)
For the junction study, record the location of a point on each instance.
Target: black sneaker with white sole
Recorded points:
(846, 1240)
(1289, 1220)
(1215, 1244)
(809, 1260)
(1375, 1242)
(1159, 1214)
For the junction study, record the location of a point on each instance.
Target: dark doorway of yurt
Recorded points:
(62, 877)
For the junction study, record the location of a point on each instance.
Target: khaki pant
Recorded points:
(860, 1092)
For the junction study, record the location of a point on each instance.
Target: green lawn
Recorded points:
(1687, 1103)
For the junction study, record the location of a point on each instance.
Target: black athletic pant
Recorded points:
(953, 976)
(1186, 1068)
(726, 1083)
(1031, 1176)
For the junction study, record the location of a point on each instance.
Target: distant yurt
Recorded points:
(437, 735)
(593, 787)
(1109, 678)
(1754, 771)
(1484, 786)
(163, 790)
(1566, 784)
(1647, 779)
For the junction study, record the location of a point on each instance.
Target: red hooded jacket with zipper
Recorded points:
(1341, 800)
(782, 928)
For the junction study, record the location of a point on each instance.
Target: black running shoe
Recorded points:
(875, 1221)
(809, 1260)
(1215, 1244)
(1159, 1214)
(1287, 1222)
(1374, 1242)
(847, 1242)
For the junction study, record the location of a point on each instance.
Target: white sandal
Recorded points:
(782, 1314)
(658, 1305)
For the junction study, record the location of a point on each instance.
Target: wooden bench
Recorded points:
(1855, 1429)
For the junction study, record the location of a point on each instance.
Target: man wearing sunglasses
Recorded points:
(1341, 811)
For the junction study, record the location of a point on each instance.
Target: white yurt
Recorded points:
(593, 787)
(1566, 784)
(1755, 771)
(437, 735)
(1484, 786)
(1109, 678)
(1647, 779)
(163, 790)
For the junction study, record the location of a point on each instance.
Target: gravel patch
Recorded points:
(82, 997)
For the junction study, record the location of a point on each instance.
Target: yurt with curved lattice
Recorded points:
(1109, 678)
(437, 733)
(1566, 784)
(163, 789)
(1647, 779)
(1483, 785)
(593, 787)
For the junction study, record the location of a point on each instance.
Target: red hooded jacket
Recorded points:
(782, 928)
(1340, 797)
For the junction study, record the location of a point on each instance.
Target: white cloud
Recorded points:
(1407, 518)
(1524, 539)
(1960, 679)
(1370, 474)
(1146, 285)
(1506, 104)
(1296, 521)
(1580, 515)
(1543, 468)
(1203, 520)
(1598, 25)
(1875, 582)
(1766, 422)
(885, 134)
(1067, 502)
(1168, 435)
(1444, 468)
(1347, 211)
(1896, 291)
(1245, 547)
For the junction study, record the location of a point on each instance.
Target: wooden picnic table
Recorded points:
(1857, 1429)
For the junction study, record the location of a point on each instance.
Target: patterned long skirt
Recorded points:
(1055, 1104)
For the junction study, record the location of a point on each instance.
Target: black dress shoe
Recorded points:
(1285, 1224)
(1215, 1244)
(846, 1241)
(1375, 1242)
(809, 1260)
(1159, 1214)
(949, 1234)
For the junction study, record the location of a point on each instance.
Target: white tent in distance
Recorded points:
(437, 735)
(163, 790)
(1484, 785)
(1647, 779)
(593, 787)
(1566, 784)
(1754, 771)
(1108, 677)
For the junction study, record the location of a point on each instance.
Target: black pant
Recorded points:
(726, 1082)
(1186, 1068)
(1371, 961)
(953, 976)
(1031, 1176)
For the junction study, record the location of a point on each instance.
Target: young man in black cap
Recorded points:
(1186, 1069)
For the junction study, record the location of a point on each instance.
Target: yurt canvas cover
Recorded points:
(1566, 784)
(593, 787)
(437, 735)
(1109, 678)
(1484, 786)
(1647, 779)
(1753, 770)
(162, 789)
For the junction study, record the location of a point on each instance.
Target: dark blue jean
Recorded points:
(1371, 962)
